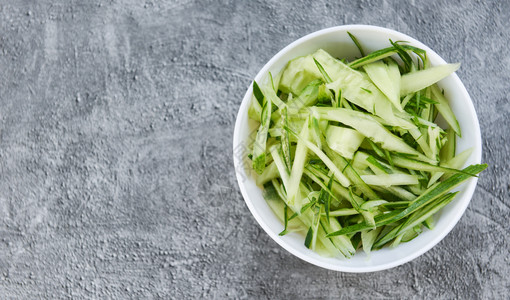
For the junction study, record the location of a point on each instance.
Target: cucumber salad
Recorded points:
(350, 153)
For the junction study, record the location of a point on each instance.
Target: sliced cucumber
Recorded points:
(415, 81)
(390, 179)
(387, 78)
(370, 128)
(344, 141)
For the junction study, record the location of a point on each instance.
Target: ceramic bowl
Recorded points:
(336, 41)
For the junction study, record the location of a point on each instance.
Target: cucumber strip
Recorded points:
(314, 228)
(421, 139)
(351, 174)
(277, 205)
(367, 215)
(272, 83)
(275, 132)
(325, 75)
(338, 174)
(342, 212)
(371, 204)
(293, 224)
(276, 80)
(387, 78)
(458, 161)
(257, 92)
(298, 73)
(345, 104)
(444, 109)
(300, 211)
(317, 177)
(378, 151)
(308, 172)
(270, 94)
(448, 150)
(370, 128)
(304, 220)
(441, 189)
(374, 56)
(269, 173)
(339, 99)
(388, 157)
(326, 197)
(312, 200)
(434, 141)
(406, 58)
(325, 97)
(433, 110)
(298, 164)
(415, 81)
(357, 88)
(397, 191)
(394, 74)
(382, 167)
(428, 112)
(285, 220)
(329, 248)
(416, 219)
(341, 242)
(396, 241)
(316, 131)
(428, 123)
(416, 189)
(336, 187)
(412, 164)
(429, 223)
(259, 146)
(344, 141)
(358, 45)
(396, 204)
(380, 220)
(406, 100)
(307, 97)
(368, 238)
(424, 199)
(410, 234)
(285, 140)
(376, 166)
(355, 200)
(254, 110)
(280, 165)
(359, 162)
(390, 179)
(455, 163)
(280, 190)
(380, 54)
(285, 208)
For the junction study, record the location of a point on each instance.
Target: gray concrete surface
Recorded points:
(116, 177)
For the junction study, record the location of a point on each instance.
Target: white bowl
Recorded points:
(336, 41)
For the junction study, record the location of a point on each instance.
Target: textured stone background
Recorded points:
(116, 177)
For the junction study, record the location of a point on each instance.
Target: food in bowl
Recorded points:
(352, 153)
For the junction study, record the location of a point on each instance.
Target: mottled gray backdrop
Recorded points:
(116, 176)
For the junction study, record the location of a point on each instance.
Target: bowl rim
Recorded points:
(469, 188)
